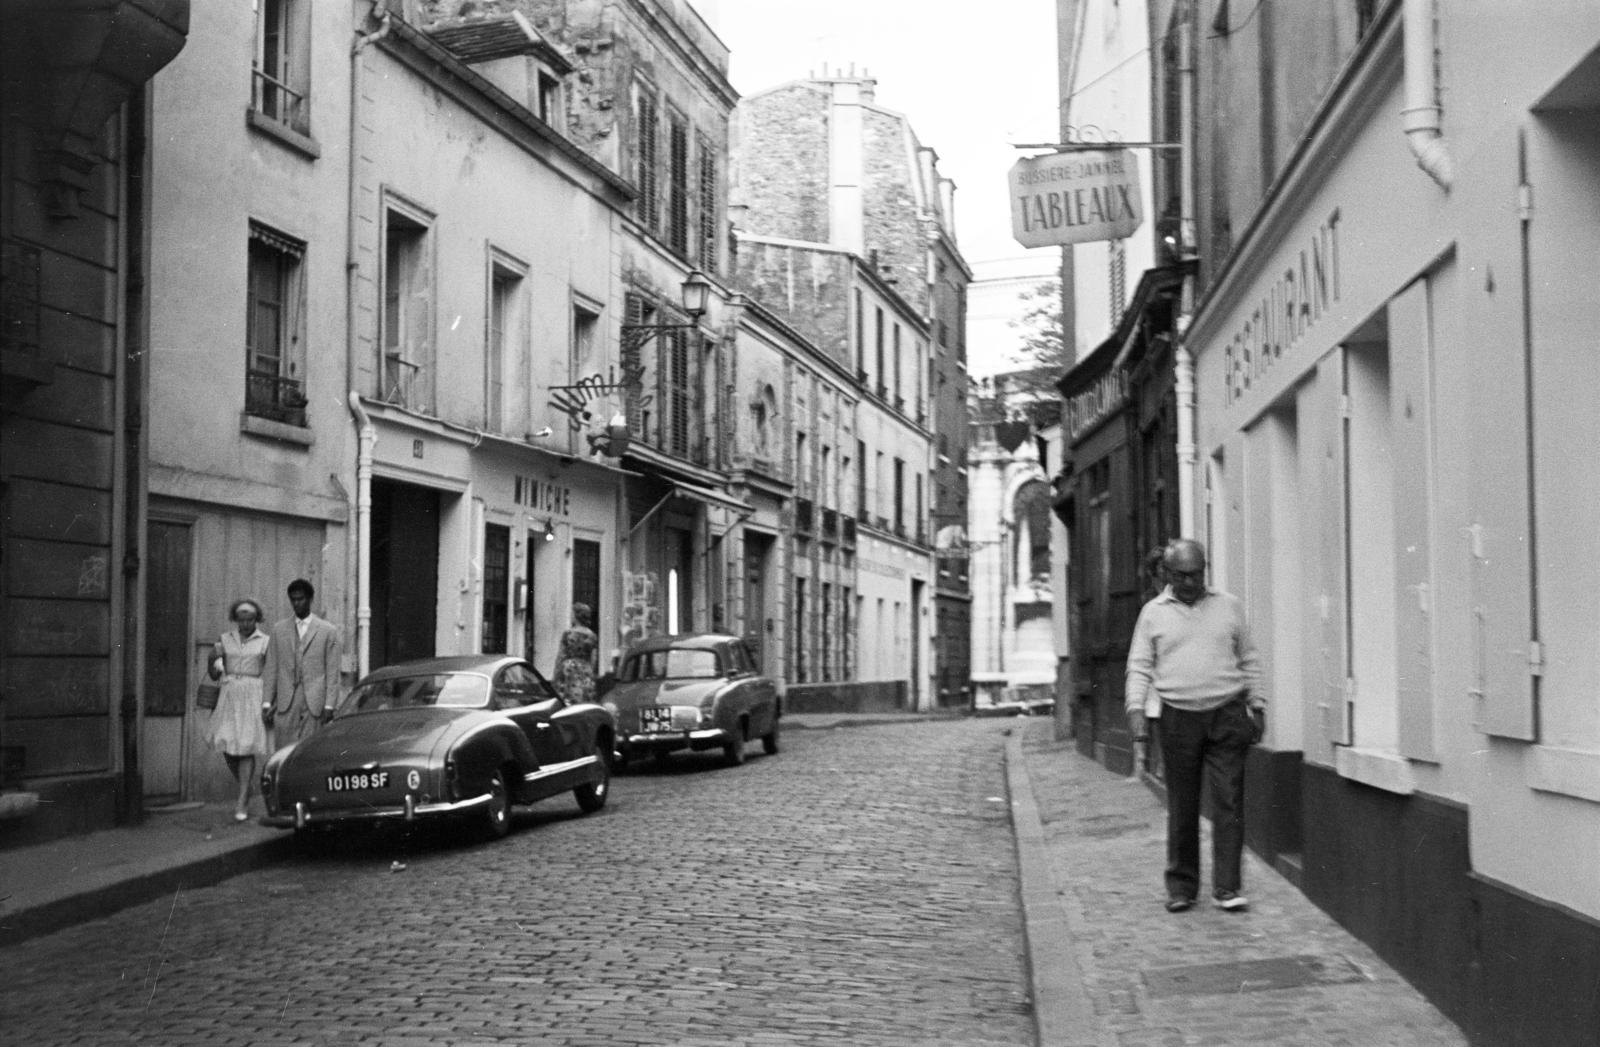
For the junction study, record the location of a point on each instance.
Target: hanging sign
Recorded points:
(1075, 197)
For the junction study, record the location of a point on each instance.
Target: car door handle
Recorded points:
(542, 726)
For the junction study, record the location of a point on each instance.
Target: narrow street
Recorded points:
(859, 887)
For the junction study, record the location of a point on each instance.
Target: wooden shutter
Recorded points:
(1491, 306)
(1410, 423)
(677, 183)
(646, 132)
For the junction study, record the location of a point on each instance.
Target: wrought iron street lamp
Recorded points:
(613, 439)
(695, 295)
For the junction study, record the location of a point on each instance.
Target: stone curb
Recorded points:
(120, 890)
(1063, 1014)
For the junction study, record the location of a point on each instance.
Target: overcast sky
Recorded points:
(971, 86)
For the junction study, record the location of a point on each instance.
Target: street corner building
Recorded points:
(1372, 323)
(440, 307)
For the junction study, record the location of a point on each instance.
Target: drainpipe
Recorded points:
(1183, 388)
(367, 441)
(1182, 358)
(368, 434)
(1422, 114)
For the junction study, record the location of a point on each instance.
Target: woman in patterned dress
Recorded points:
(236, 729)
(575, 657)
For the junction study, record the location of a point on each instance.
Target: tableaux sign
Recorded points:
(1074, 197)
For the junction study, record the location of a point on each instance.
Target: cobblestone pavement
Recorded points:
(859, 888)
(1283, 973)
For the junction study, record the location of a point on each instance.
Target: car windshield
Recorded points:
(455, 690)
(672, 664)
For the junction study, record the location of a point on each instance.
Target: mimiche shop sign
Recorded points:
(1074, 197)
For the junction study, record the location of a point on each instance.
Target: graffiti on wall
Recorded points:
(641, 615)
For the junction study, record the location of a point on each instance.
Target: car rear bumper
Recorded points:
(302, 816)
(660, 742)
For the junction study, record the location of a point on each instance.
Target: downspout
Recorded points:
(367, 441)
(1422, 114)
(1182, 358)
(367, 433)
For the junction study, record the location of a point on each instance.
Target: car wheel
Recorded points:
(733, 752)
(592, 795)
(769, 741)
(497, 812)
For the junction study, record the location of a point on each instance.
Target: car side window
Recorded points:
(748, 658)
(516, 686)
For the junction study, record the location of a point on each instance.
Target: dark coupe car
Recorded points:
(694, 691)
(464, 737)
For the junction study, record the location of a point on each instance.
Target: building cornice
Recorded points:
(435, 64)
(1352, 100)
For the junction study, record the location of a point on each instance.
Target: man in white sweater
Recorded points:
(1192, 666)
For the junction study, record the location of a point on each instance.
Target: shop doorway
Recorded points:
(405, 572)
(757, 554)
(915, 612)
(171, 660)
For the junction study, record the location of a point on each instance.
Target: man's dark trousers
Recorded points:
(1206, 747)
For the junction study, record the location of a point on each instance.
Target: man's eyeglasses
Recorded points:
(1187, 576)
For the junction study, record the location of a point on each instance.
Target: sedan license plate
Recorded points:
(656, 718)
(348, 781)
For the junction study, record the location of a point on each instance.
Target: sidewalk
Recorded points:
(1112, 968)
(53, 885)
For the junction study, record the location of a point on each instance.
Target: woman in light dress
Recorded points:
(236, 729)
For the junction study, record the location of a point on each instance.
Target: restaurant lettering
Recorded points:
(1299, 296)
(1085, 410)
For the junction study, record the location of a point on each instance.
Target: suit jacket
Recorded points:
(305, 669)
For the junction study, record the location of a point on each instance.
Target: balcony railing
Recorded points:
(276, 100)
(803, 515)
(271, 396)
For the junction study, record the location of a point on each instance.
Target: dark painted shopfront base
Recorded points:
(1510, 970)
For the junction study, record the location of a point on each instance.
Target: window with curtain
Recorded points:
(274, 336)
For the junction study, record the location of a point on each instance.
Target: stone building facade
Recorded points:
(75, 287)
(845, 229)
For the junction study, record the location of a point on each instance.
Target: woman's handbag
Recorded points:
(205, 695)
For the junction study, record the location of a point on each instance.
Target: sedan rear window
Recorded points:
(454, 690)
(672, 664)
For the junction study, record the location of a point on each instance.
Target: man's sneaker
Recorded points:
(1178, 903)
(1232, 901)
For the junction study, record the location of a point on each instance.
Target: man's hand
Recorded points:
(1137, 726)
(1258, 720)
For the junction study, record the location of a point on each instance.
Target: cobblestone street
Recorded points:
(860, 887)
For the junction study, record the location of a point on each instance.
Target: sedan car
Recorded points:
(697, 691)
(463, 737)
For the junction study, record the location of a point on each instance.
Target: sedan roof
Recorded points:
(455, 663)
(691, 641)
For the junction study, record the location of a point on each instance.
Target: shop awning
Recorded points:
(711, 497)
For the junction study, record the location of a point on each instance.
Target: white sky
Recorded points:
(972, 81)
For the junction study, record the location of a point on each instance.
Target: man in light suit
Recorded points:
(301, 677)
